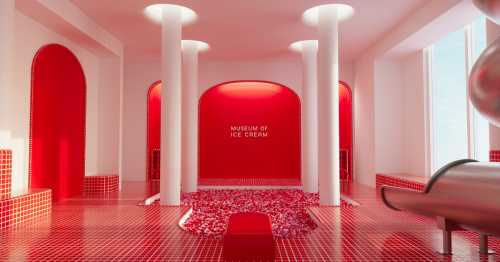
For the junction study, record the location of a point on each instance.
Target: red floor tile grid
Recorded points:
(101, 184)
(494, 155)
(5, 173)
(388, 180)
(82, 229)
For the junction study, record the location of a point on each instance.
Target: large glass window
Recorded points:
(458, 131)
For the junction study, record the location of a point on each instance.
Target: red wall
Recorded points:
(345, 120)
(57, 122)
(154, 124)
(263, 104)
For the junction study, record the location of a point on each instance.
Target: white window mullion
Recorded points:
(430, 145)
(470, 113)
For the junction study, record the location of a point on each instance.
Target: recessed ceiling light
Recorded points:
(299, 45)
(311, 15)
(154, 12)
(202, 46)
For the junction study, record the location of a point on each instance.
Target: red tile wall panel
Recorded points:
(23, 208)
(15, 210)
(382, 179)
(101, 184)
(5, 173)
(494, 155)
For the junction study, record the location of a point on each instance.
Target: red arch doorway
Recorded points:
(249, 129)
(153, 131)
(57, 135)
(346, 128)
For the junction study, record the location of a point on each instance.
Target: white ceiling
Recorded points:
(247, 29)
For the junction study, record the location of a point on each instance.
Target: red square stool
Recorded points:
(249, 236)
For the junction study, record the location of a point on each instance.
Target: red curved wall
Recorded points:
(154, 125)
(272, 108)
(345, 120)
(57, 122)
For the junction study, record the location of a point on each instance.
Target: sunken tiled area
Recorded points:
(117, 229)
(101, 184)
(400, 180)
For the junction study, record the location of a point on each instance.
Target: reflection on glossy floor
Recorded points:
(115, 228)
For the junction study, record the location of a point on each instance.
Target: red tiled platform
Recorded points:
(494, 155)
(105, 229)
(101, 184)
(5, 173)
(16, 210)
(248, 182)
(401, 180)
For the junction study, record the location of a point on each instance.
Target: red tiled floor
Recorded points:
(117, 229)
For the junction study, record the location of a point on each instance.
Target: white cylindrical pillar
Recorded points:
(170, 147)
(190, 96)
(7, 10)
(327, 18)
(309, 115)
(328, 107)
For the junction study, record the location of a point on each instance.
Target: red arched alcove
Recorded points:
(153, 131)
(345, 120)
(57, 137)
(227, 150)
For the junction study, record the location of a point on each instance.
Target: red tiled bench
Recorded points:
(398, 181)
(101, 184)
(249, 236)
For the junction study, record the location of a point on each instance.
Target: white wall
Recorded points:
(140, 75)
(415, 143)
(389, 117)
(400, 123)
(102, 101)
(364, 120)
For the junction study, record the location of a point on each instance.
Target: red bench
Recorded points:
(249, 236)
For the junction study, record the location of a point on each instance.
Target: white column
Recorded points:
(170, 174)
(327, 18)
(309, 116)
(7, 10)
(190, 96)
(328, 107)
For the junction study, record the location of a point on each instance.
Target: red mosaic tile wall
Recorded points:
(5, 173)
(19, 209)
(398, 182)
(494, 155)
(101, 184)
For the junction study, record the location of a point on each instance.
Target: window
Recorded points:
(457, 130)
